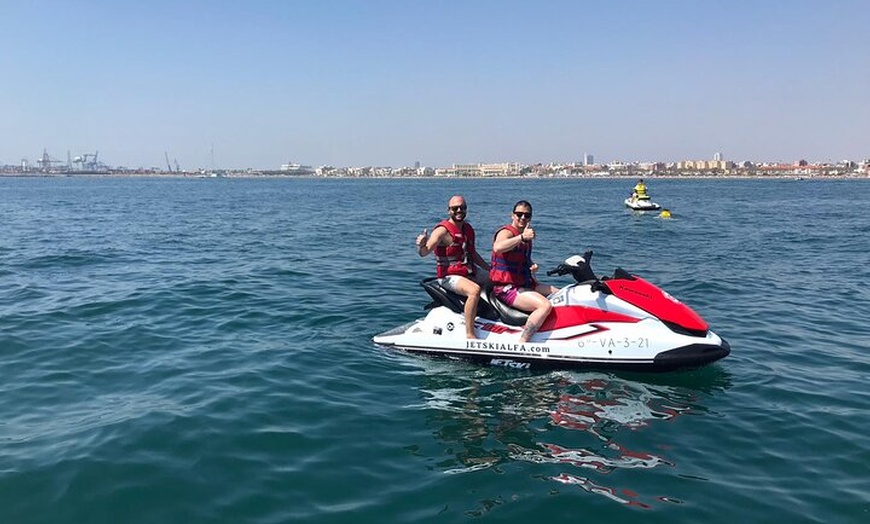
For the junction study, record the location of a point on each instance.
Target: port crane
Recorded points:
(169, 165)
(45, 163)
(87, 161)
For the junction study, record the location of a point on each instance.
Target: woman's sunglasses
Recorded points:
(521, 214)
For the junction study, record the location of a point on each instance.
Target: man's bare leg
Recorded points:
(471, 290)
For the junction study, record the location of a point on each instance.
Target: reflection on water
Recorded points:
(576, 427)
(603, 405)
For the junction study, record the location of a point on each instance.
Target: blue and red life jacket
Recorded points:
(514, 266)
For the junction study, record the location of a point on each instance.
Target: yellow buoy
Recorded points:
(665, 213)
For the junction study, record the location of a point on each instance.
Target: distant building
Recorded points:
(717, 157)
(652, 167)
(705, 165)
(296, 169)
(501, 169)
(588, 160)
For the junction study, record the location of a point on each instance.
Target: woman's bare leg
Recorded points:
(538, 307)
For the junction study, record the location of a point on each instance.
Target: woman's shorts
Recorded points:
(507, 293)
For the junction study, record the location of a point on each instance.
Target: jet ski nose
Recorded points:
(693, 355)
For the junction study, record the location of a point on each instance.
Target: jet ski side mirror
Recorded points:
(598, 285)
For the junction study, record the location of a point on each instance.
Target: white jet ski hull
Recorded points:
(642, 205)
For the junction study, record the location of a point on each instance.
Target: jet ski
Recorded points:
(641, 204)
(622, 322)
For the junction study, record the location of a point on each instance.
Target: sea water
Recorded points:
(199, 350)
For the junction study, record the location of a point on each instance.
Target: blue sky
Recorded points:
(389, 83)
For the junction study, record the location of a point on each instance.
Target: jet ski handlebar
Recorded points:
(577, 266)
(561, 269)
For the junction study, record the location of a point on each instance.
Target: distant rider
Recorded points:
(452, 240)
(640, 191)
(512, 269)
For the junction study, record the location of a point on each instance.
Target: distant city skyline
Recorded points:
(45, 162)
(392, 83)
(88, 161)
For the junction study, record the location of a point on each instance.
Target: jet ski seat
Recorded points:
(488, 307)
(505, 313)
(441, 296)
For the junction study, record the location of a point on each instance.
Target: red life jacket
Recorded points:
(514, 266)
(453, 258)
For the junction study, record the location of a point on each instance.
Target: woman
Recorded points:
(512, 268)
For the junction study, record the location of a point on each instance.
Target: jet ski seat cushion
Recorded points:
(488, 307)
(441, 296)
(507, 314)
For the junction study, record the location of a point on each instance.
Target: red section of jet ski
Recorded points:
(568, 316)
(653, 300)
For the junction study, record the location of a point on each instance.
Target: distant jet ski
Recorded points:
(618, 323)
(641, 204)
